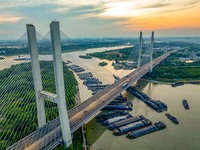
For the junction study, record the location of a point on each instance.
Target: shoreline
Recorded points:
(155, 81)
(169, 83)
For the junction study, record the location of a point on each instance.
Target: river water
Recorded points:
(104, 74)
(184, 136)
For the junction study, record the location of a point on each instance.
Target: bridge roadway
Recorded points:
(49, 136)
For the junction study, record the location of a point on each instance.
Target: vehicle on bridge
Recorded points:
(124, 85)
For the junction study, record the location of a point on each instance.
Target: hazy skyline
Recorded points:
(97, 18)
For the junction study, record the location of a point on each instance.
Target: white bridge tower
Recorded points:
(150, 55)
(41, 95)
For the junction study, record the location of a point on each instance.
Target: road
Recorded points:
(49, 135)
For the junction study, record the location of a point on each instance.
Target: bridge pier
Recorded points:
(60, 91)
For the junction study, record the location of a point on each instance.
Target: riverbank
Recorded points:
(168, 72)
(169, 83)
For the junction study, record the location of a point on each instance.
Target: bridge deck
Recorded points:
(50, 134)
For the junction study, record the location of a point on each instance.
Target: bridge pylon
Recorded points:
(42, 95)
(36, 73)
(150, 53)
(58, 73)
(140, 50)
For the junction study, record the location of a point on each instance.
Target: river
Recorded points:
(184, 136)
(104, 74)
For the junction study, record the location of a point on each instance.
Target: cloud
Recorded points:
(157, 5)
(9, 19)
(80, 10)
(192, 2)
(177, 10)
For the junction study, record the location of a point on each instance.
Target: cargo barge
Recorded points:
(115, 119)
(108, 115)
(117, 107)
(132, 127)
(185, 104)
(76, 68)
(116, 77)
(147, 130)
(177, 84)
(116, 102)
(172, 118)
(118, 124)
(121, 103)
(157, 105)
(121, 98)
(94, 87)
(91, 82)
(85, 75)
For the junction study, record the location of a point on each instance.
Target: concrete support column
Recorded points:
(151, 52)
(36, 73)
(59, 80)
(140, 50)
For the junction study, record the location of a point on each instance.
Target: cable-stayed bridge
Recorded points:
(50, 134)
(82, 113)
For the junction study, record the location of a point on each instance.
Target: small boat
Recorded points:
(185, 104)
(174, 84)
(172, 118)
(22, 58)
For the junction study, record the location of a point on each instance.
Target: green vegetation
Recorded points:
(102, 64)
(174, 73)
(117, 55)
(171, 70)
(174, 69)
(18, 116)
(85, 56)
(20, 47)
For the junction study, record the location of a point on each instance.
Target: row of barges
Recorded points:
(157, 105)
(120, 122)
(92, 83)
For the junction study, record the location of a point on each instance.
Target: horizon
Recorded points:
(95, 19)
(125, 37)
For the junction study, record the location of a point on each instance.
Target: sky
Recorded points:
(100, 18)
